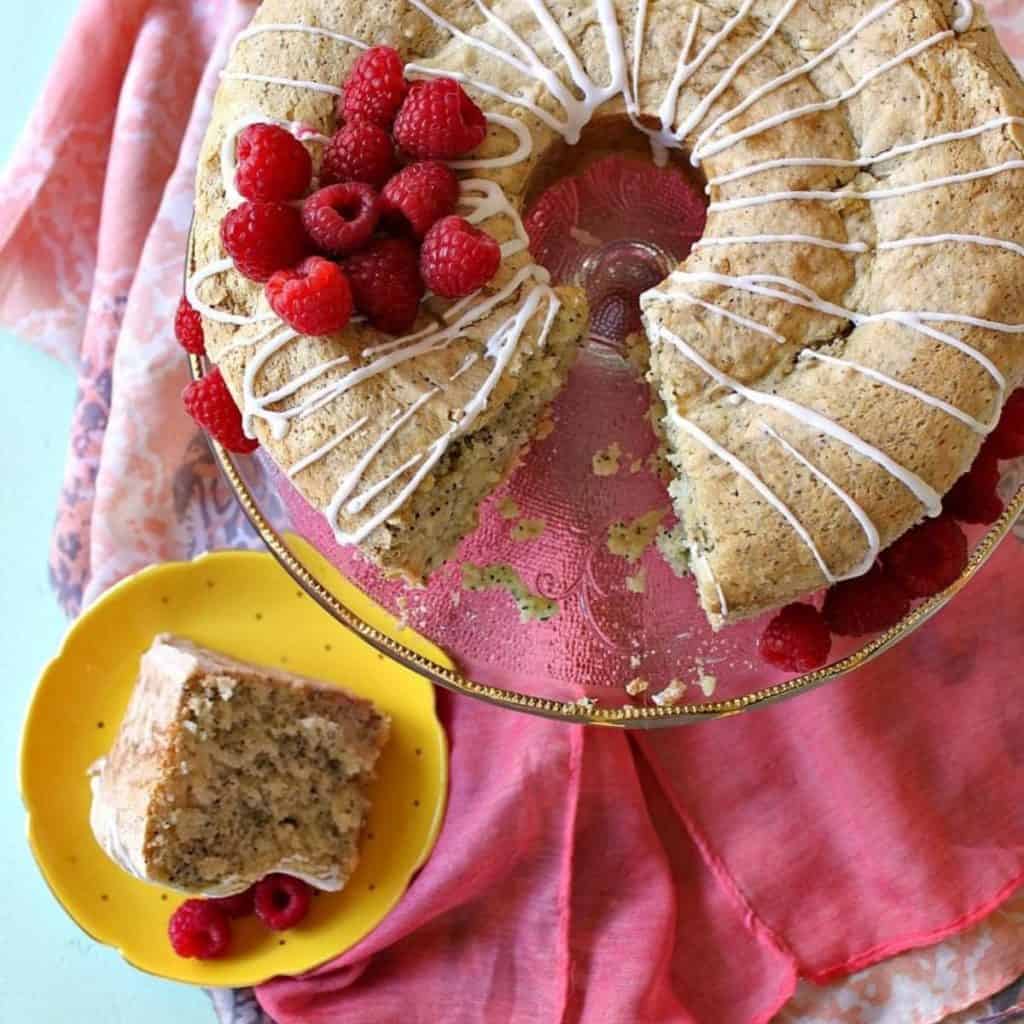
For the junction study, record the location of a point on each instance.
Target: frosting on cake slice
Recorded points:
(223, 772)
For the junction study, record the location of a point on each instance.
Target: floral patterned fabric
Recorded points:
(623, 899)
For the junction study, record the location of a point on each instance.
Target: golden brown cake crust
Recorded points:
(902, 75)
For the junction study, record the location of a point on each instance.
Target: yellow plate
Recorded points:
(240, 602)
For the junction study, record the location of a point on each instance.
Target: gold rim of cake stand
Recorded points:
(636, 717)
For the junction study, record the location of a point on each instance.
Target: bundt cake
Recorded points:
(829, 357)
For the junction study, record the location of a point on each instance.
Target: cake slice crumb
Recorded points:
(671, 695)
(528, 529)
(630, 538)
(508, 508)
(637, 686)
(532, 607)
(637, 583)
(606, 461)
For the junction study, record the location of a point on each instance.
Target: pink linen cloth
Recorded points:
(581, 875)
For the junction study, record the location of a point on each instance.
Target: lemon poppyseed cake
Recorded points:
(223, 772)
(829, 357)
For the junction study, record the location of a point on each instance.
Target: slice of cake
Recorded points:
(223, 772)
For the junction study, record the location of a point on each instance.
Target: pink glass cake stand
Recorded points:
(573, 536)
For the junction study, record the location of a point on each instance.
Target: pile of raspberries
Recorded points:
(920, 564)
(379, 231)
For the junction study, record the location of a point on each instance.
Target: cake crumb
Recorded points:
(635, 466)
(528, 529)
(671, 695)
(705, 680)
(545, 428)
(532, 607)
(402, 604)
(587, 703)
(637, 686)
(508, 508)
(637, 583)
(634, 660)
(606, 461)
(630, 538)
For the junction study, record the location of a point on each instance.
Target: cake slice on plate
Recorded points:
(223, 772)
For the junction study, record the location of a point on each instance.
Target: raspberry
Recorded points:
(188, 329)
(420, 195)
(973, 498)
(281, 901)
(272, 164)
(199, 929)
(438, 121)
(386, 284)
(1007, 440)
(361, 151)
(375, 87)
(210, 404)
(458, 258)
(928, 558)
(314, 298)
(239, 905)
(263, 237)
(341, 218)
(868, 604)
(796, 639)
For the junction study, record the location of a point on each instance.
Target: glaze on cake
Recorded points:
(830, 356)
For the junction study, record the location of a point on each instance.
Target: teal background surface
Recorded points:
(50, 971)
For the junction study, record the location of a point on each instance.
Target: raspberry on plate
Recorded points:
(438, 121)
(1007, 440)
(200, 930)
(272, 164)
(240, 905)
(457, 258)
(796, 639)
(360, 151)
(375, 87)
(341, 218)
(928, 558)
(868, 604)
(188, 329)
(314, 298)
(281, 901)
(386, 283)
(210, 404)
(263, 237)
(973, 498)
(420, 195)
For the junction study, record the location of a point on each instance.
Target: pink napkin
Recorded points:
(581, 875)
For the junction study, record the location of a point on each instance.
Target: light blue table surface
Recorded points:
(50, 972)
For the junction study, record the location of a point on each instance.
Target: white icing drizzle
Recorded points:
(578, 97)
(922, 396)
(712, 148)
(996, 243)
(964, 15)
(779, 81)
(822, 243)
(196, 280)
(870, 531)
(727, 314)
(868, 161)
(924, 492)
(742, 469)
(800, 295)
(329, 446)
(873, 195)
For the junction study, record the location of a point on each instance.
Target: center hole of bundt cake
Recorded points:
(602, 215)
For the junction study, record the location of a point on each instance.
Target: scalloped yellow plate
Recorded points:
(240, 602)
